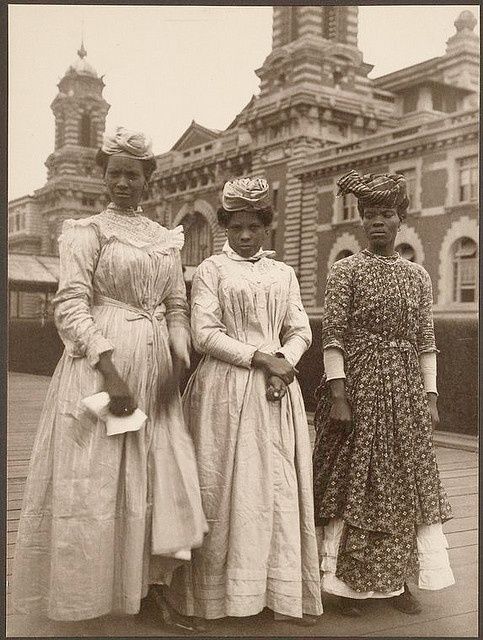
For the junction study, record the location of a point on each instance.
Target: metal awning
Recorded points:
(33, 271)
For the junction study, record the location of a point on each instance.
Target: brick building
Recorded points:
(316, 116)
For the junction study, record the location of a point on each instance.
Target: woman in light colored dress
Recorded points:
(106, 516)
(245, 413)
(376, 483)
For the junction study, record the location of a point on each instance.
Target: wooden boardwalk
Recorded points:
(451, 612)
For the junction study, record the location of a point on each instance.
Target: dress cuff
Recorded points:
(97, 345)
(427, 364)
(293, 350)
(334, 363)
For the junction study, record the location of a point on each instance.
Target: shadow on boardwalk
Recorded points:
(448, 613)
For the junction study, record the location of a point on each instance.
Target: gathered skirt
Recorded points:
(103, 516)
(254, 463)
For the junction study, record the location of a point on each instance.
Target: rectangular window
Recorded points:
(274, 199)
(29, 304)
(348, 208)
(468, 179)
(273, 238)
(13, 304)
(465, 281)
(411, 185)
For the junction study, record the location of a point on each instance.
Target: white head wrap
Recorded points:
(132, 143)
(241, 193)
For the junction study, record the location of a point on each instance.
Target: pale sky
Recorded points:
(165, 66)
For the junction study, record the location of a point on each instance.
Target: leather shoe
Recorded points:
(348, 607)
(406, 602)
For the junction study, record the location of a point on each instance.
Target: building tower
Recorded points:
(74, 186)
(314, 92)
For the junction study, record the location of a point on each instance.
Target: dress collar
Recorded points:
(129, 211)
(261, 253)
(384, 259)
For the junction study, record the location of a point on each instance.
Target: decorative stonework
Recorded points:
(409, 235)
(347, 241)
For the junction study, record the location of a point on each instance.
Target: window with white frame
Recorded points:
(411, 185)
(468, 179)
(347, 208)
(465, 270)
(406, 251)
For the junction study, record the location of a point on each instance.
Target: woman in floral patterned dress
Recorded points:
(104, 516)
(377, 490)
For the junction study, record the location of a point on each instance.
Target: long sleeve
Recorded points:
(296, 331)
(79, 250)
(425, 338)
(338, 306)
(177, 310)
(207, 329)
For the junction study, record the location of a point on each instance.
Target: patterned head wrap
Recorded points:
(131, 143)
(241, 193)
(382, 190)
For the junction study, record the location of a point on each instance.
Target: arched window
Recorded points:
(86, 139)
(345, 253)
(465, 266)
(406, 251)
(198, 240)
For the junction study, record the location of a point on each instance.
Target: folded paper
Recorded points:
(98, 404)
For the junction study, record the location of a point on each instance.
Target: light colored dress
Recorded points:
(101, 514)
(254, 456)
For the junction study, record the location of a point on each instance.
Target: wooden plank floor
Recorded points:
(451, 612)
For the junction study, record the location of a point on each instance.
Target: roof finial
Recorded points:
(82, 51)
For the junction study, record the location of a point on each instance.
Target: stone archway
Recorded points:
(408, 235)
(345, 242)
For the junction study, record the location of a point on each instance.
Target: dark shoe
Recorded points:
(406, 602)
(171, 618)
(305, 621)
(348, 607)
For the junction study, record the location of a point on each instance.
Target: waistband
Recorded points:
(158, 313)
(388, 342)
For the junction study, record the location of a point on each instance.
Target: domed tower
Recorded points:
(74, 186)
(80, 116)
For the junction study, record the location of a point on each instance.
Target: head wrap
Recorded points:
(132, 143)
(378, 190)
(243, 193)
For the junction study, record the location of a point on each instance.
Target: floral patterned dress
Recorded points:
(381, 482)
(101, 514)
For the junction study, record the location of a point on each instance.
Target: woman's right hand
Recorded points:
(274, 366)
(121, 402)
(341, 414)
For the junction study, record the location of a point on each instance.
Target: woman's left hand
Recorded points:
(276, 389)
(179, 342)
(433, 410)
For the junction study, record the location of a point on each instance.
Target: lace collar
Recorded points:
(261, 253)
(133, 229)
(129, 211)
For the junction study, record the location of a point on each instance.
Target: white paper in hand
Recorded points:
(98, 404)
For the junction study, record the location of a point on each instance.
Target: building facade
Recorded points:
(316, 116)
